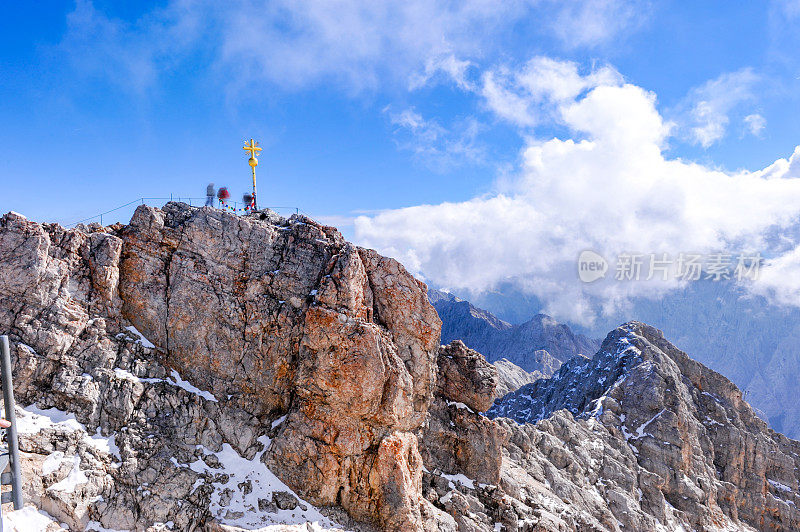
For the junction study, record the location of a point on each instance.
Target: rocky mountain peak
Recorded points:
(703, 448)
(281, 332)
(539, 344)
(229, 373)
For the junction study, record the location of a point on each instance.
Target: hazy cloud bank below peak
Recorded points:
(608, 186)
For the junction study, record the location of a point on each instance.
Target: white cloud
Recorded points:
(439, 148)
(410, 119)
(755, 124)
(454, 69)
(357, 44)
(533, 94)
(595, 22)
(779, 279)
(610, 188)
(292, 43)
(783, 168)
(296, 42)
(713, 102)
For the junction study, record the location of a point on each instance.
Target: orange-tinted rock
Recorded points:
(287, 317)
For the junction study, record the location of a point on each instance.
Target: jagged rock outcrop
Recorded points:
(195, 370)
(458, 443)
(304, 351)
(511, 377)
(540, 344)
(464, 376)
(697, 455)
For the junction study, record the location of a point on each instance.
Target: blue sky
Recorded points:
(82, 132)
(365, 108)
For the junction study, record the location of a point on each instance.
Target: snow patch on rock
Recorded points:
(29, 519)
(245, 492)
(139, 337)
(180, 383)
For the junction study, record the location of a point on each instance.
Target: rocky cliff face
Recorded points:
(313, 356)
(743, 336)
(512, 377)
(539, 344)
(195, 370)
(686, 448)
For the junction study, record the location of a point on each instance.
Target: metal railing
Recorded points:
(140, 201)
(9, 456)
(199, 201)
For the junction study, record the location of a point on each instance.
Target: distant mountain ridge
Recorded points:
(540, 344)
(754, 343)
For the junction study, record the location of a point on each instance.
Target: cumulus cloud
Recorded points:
(533, 93)
(783, 168)
(712, 103)
(607, 187)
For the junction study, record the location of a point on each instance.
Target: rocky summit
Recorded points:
(198, 370)
(181, 362)
(686, 449)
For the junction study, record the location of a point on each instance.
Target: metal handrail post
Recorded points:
(11, 432)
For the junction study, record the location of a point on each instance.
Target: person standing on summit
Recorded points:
(210, 193)
(222, 196)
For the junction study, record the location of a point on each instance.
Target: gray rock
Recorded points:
(540, 344)
(512, 377)
(194, 347)
(284, 500)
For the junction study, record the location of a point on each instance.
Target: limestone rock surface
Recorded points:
(679, 444)
(192, 334)
(511, 377)
(195, 370)
(464, 376)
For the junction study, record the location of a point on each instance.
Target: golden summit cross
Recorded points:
(253, 162)
(252, 148)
